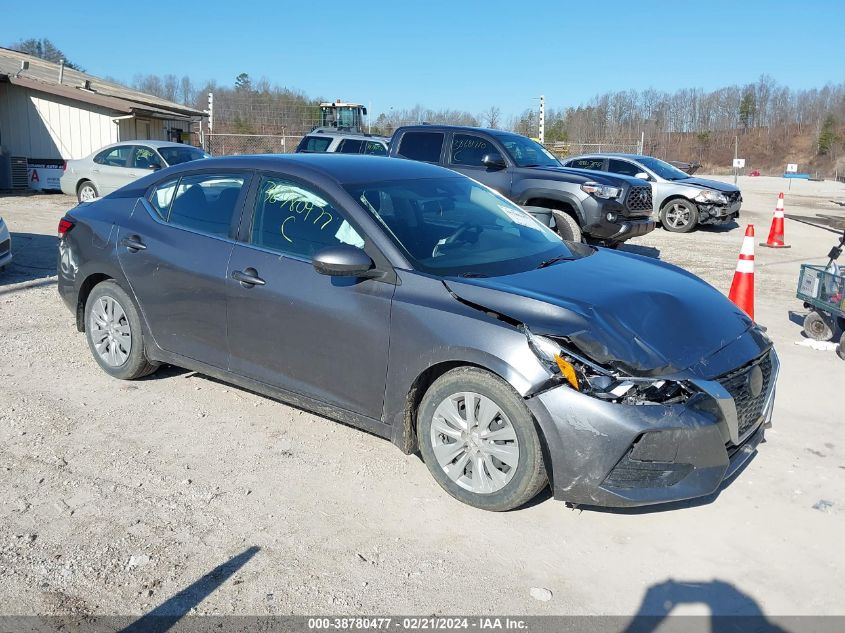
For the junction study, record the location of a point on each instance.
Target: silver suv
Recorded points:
(681, 201)
(318, 141)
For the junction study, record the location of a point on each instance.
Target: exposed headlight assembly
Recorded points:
(708, 196)
(594, 380)
(601, 191)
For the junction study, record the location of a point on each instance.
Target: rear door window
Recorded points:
(314, 144)
(115, 157)
(203, 202)
(596, 164)
(424, 146)
(350, 146)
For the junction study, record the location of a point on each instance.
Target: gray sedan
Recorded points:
(113, 166)
(681, 201)
(423, 307)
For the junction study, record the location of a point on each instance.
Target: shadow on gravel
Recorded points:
(718, 228)
(730, 609)
(168, 613)
(33, 257)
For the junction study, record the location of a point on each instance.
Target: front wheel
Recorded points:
(113, 330)
(679, 216)
(840, 349)
(478, 440)
(567, 227)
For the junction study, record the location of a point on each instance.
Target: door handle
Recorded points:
(133, 243)
(132, 175)
(96, 171)
(248, 277)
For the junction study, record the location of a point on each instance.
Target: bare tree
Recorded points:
(492, 117)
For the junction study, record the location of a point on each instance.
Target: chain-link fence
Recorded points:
(233, 144)
(573, 148)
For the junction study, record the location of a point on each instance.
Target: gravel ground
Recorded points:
(180, 492)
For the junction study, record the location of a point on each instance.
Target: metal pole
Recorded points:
(542, 134)
(642, 142)
(736, 155)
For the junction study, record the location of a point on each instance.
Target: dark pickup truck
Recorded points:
(605, 208)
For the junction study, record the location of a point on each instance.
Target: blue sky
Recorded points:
(465, 55)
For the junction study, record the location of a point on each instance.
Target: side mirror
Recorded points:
(642, 176)
(494, 161)
(342, 261)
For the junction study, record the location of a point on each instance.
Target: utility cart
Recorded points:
(822, 289)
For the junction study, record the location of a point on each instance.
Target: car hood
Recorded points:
(569, 174)
(638, 315)
(709, 184)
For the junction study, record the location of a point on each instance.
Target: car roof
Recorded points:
(361, 137)
(342, 168)
(609, 155)
(147, 142)
(459, 128)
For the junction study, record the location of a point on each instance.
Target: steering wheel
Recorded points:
(456, 237)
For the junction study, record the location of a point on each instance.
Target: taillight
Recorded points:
(65, 225)
(64, 165)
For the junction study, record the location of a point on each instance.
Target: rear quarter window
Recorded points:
(424, 146)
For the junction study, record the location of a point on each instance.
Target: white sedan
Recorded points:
(113, 166)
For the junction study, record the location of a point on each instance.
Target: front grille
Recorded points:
(733, 196)
(5, 245)
(639, 200)
(749, 408)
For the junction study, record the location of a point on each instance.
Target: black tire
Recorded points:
(86, 185)
(675, 224)
(529, 475)
(818, 327)
(136, 364)
(567, 226)
(840, 350)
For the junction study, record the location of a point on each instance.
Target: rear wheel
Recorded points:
(567, 227)
(817, 327)
(86, 192)
(679, 216)
(113, 331)
(478, 440)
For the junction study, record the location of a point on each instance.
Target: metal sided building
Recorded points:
(50, 114)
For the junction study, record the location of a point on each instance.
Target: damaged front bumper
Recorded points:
(718, 213)
(620, 455)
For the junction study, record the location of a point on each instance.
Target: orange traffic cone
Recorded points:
(776, 232)
(742, 288)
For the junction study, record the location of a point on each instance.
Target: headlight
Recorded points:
(594, 380)
(600, 191)
(711, 197)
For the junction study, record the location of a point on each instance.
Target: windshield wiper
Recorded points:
(555, 260)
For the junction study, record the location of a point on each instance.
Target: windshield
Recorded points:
(527, 153)
(662, 168)
(454, 226)
(176, 155)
